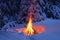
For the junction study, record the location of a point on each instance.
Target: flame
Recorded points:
(29, 30)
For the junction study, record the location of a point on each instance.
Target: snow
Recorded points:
(52, 32)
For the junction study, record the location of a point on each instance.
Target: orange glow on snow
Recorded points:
(39, 29)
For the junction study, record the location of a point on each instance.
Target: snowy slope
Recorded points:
(52, 32)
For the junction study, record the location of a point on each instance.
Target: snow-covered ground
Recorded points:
(52, 32)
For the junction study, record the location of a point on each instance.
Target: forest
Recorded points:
(18, 11)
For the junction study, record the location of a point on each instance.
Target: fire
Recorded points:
(29, 30)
